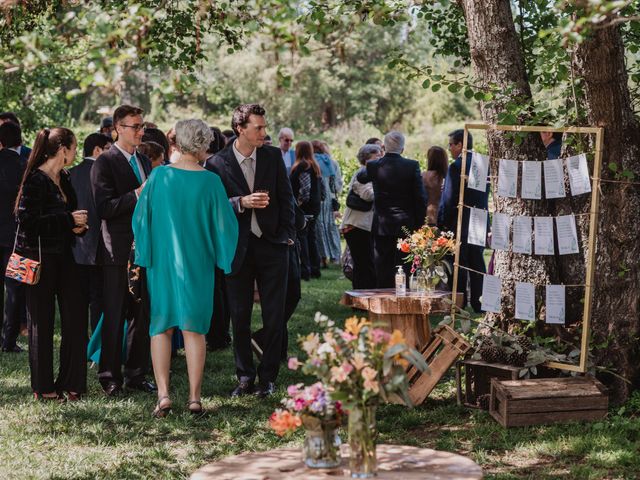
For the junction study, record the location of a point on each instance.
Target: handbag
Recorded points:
(23, 269)
(355, 202)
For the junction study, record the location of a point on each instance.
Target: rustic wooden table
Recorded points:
(409, 314)
(394, 462)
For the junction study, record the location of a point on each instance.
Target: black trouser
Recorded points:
(118, 305)
(267, 264)
(309, 255)
(92, 278)
(218, 335)
(361, 248)
(471, 256)
(386, 257)
(14, 306)
(58, 278)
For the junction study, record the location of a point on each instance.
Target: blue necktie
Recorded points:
(134, 166)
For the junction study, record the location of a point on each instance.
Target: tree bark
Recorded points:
(600, 62)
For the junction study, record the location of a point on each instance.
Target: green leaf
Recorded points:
(435, 87)
(453, 88)
(426, 83)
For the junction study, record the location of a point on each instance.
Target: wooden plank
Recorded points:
(550, 388)
(595, 402)
(415, 328)
(539, 418)
(385, 301)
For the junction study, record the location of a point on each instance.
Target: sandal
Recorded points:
(42, 398)
(159, 411)
(73, 396)
(196, 412)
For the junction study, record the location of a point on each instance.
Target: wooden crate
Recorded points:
(447, 345)
(477, 379)
(539, 401)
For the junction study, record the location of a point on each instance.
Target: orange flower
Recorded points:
(404, 247)
(396, 338)
(353, 325)
(442, 241)
(282, 422)
(430, 233)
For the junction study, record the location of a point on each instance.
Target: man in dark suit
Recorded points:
(117, 179)
(11, 171)
(471, 256)
(399, 201)
(256, 182)
(85, 248)
(22, 150)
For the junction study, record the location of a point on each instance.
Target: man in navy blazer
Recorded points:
(255, 179)
(11, 171)
(471, 256)
(85, 248)
(117, 179)
(399, 201)
(22, 150)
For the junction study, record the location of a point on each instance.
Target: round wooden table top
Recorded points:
(394, 462)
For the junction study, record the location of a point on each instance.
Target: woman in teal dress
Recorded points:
(183, 227)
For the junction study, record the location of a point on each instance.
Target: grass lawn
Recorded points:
(104, 438)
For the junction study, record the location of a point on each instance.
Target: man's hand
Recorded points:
(255, 200)
(140, 188)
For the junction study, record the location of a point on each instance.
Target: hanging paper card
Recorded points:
(478, 172)
(553, 179)
(555, 304)
(531, 180)
(522, 235)
(477, 227)
(578, 174)
(491, 294)
(507, 178)
(525, 301)
(500, 231)
(567, 234)
(543, 235)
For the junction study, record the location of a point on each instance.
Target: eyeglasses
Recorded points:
(288, 140)
(136, 127)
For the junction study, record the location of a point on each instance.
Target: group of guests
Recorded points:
(395, 196)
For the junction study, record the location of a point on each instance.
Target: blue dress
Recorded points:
(183, 227)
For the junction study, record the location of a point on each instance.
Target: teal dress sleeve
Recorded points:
(141, 224)
(225, 227)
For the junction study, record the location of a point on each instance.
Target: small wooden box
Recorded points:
(477, 379)
(516, 403)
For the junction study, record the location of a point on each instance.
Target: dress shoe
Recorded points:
(265, 390)
(112, 389)
(243, 388)
(14, 349)
(142, 385)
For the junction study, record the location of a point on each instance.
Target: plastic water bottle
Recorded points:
(401, 282)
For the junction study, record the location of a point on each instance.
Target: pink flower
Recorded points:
(347, 337)
(293, 363)
(292, 390)
(347, 367)
(338, 375)
(378, 335)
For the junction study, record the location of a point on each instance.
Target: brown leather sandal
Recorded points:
(159, 411)
(196, 412)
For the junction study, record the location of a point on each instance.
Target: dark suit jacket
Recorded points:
(399, 196)
(113, 183)
(11, 171)
(86, 247)
(448, 210)
(24, 153)
(276, 220)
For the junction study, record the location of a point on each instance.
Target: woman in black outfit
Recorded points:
(47, 224)
(306, 182)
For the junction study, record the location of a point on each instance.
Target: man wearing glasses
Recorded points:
(117, 179)
(285, 137)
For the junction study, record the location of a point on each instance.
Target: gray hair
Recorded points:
(193, 136)
(394, 142)
(285, 131)
(366, 151)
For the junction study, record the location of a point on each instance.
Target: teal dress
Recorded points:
(183, 227)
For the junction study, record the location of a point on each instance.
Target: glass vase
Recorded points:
(321, 447)
(421, 282)
(362, 442)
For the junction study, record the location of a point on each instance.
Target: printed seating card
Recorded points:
(525, 301)
(491, 294)
(477, 227)
(478, 172)
(555, 304)
(507, 178)
(578, 174)
(522, 235)
(531, 180)
(567, 234)
(544, 235)
(553, 179)
(500, 231)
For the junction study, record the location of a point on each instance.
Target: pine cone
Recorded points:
(501, 355)
(525, 343)
(517, 359)
(488, 354)
(483, 401)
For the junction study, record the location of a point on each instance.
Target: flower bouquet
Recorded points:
(426, 249)
(312, 408)
(361, 366)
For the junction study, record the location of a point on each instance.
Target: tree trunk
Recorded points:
(498, 61)
(600, 62)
